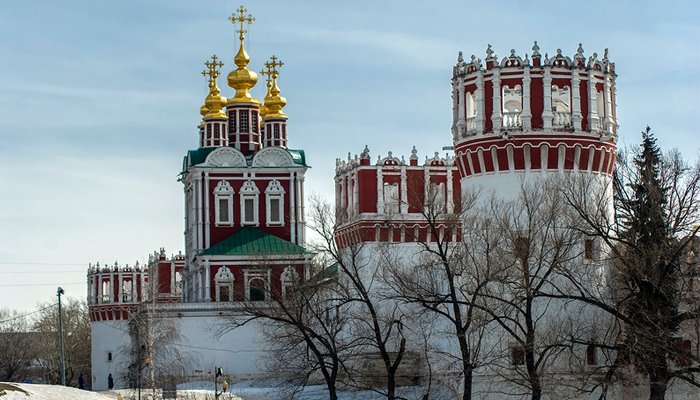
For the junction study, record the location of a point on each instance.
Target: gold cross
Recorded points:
(212, 67)
(273, 65)
(267, 74)
(241, 18)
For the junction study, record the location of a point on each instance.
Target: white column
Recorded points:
(172, 277)
(355, 194)
(480, 102)
(301, 222)
(207, 196)
(455, 106)
(526, 115)
(118, 295)
(99, 289)
(576, 117)
(404, 191)
(380, 191)
(111, 287)
(547, 114)
(207, 281)
(292, 208)
(448, 191)
(496, 114)
(461, 111)
(198, 205)
(134, 285)
(607, 98)
(593, 122)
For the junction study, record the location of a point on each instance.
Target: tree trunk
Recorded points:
(658, 383)
(468, 376)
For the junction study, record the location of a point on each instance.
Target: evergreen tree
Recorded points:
(652, 269)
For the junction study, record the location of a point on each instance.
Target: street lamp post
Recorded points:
(59, 292)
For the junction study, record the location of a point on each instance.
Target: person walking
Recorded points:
(110, 382)
(81, 382)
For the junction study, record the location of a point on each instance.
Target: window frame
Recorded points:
(274, 191)
(250, 191)
(223, 191)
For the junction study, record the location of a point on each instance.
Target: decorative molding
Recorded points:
(226, 157)
(273, 157)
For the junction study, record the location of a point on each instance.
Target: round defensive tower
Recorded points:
(520, 119)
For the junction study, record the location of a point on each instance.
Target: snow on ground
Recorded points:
(25, 391)
(247, 390)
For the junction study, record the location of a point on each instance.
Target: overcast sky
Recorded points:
(99, 102)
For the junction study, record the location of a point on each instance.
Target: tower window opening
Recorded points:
(127, 287)
(254, 121)
(561, 106)
(232, 122)
(391, 198)
(274, 210)
(512, 106)
(277, 131)
(243, 120)
(109, 356)
(216, 131)
(105, 291)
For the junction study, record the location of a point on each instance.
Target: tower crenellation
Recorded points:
(385, 200)
(519, 114)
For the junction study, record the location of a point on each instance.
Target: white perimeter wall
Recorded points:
(109, 337)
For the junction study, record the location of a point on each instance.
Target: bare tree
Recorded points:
(303, 329)
(520, 245)
(376, 326)
(16, 345)
(76, 333)
(646, 235)
(443, 283)
(154, 338)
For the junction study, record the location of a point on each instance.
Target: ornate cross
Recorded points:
(241, 18)
(212, 67)
(273, 65)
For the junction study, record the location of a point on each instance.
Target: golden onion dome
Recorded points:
(214, 103)
(274, 102)
(242, 79)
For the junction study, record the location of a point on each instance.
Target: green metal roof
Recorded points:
(252, 241)
(196, 157)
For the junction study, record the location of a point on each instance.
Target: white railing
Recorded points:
(561, 119)
(511, 119)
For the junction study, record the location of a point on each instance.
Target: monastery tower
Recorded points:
(519, 118)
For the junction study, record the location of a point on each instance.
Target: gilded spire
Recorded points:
(264, 111)
(214, 102)
(274, 102)
(242, 79)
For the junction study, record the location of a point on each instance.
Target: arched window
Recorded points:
(249, 203)
(127, 291)
(561, 106)
(512, 99)
(274, 203)
(391, 198)
(223, 204)
(224, 284)
(257, 284)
